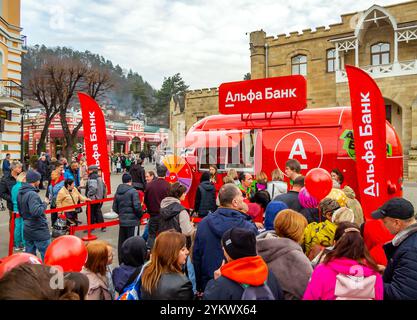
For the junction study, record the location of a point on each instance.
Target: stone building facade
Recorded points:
(380, 40)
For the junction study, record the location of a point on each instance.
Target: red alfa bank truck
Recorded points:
(264, 141)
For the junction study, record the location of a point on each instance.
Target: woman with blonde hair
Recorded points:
(283, 254)
(232, 173)
(95, 269)
(70, 196)
(163, 278)
(83, 173)
(277, 186)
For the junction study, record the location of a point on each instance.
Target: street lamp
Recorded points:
(23, 111)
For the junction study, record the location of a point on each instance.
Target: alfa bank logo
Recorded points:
(302, 146)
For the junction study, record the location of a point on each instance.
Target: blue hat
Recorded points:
(33, 176)
(271, 211)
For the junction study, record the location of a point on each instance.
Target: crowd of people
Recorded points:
(255, 239)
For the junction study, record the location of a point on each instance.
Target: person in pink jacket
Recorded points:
(348, 272)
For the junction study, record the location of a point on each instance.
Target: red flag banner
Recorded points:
(95, 138)
(369, 131)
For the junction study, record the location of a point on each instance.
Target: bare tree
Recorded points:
(39, 87)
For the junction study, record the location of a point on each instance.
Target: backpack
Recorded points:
(132, 291)
(349, 287)
(60, 227)
(262, 292)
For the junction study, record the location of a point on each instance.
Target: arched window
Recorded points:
(299, 65)
(380, 54)
(331, 60)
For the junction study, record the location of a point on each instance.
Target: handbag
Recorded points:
(76, 210)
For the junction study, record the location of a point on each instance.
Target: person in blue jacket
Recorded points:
(32, 209)
(208, 253)
(400, 275)
(73, 173)
(19, 241)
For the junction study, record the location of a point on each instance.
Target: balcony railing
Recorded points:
(10, 89)
(403, 68)
(24, 42)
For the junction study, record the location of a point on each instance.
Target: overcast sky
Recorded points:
(206, 41)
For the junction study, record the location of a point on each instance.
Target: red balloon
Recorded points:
(11, 262)
(318, 183)
(69, 252)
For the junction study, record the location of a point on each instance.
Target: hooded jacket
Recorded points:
(205, 198)
(173, 215)
(69, 174)
(138, 176)
(96, 189)
(323, 280)
(133, 255)
(375, 236)
(400, 276)
(98, 288)
(251, 271)
(32, 210)
(287, 261)
(208, 252)
(127, 205)
(354, 205)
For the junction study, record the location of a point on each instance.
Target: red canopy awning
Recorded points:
(211, 139)
(122, 138)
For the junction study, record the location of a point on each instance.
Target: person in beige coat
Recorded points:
(354, 205)
(69, 196)
(283, 254)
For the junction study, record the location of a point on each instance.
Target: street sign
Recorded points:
(6, 114)
(276, 94)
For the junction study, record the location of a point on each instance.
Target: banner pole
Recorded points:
(11, 230)
(89, 236)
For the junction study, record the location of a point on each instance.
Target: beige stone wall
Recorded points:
(198, 104)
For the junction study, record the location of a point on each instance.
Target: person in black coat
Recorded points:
(127, 205)
(244, 268)
(291, 197)
(42, 168)
(6, 184)
(32, 210)
(163, 278)
(133, 256)
(400, 275)
(205, 198)
(138, 175)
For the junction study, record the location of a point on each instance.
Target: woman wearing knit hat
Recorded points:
(243, 269)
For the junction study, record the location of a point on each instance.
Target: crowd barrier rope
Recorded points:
(88, 226)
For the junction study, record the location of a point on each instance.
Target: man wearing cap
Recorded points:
(127, 205)
(243, 268)
(32, 210)
(208, 253)
(400, 276)
(96, 190)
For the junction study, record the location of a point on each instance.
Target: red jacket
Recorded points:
(375, 236)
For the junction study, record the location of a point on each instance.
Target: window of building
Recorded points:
(380, 53)
(331, 60)
(299, 65)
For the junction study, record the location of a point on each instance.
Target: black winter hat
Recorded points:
(239, 243)
(33, 176)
